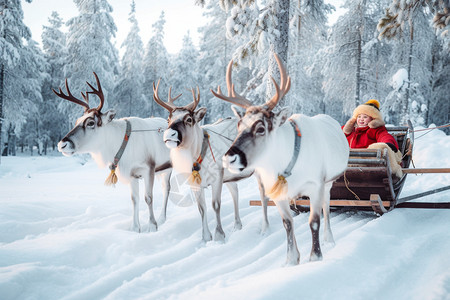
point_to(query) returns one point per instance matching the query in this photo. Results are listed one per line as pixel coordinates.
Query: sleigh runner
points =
(368, 183)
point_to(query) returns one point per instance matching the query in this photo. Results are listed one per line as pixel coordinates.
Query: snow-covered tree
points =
(54, 46)
(215, 53)
(307, 38)
(90, 50)
(128, 93)
(185, 73)
(400, 12)
(19, 68)
(156, 66)
(412, 42)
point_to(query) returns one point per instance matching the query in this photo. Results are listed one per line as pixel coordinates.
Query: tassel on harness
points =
(195, 178)
(281, 185)
(112, 178)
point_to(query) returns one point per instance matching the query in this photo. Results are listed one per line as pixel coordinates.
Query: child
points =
(366, 129)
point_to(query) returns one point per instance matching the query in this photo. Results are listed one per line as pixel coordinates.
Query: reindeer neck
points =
(275, 158)
(184, 157)
(111, 138)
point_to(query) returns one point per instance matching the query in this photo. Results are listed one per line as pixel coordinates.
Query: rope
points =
(159, 129)
(220, 135)
(346, 185)
(441, 126)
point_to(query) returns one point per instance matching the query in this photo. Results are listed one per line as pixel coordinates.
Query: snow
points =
(63, 235)
(399, 79)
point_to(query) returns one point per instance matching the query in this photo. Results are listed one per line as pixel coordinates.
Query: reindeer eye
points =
(260, 130)
(189, 120)
(90, 123)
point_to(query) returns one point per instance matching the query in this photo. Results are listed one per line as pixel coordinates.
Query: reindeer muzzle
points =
(172, 138)
(66, 147)
(234, 160)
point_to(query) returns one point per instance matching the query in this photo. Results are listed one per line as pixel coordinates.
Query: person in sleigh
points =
(366, 129)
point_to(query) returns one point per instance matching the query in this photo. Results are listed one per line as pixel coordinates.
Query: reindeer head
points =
(183, 120)
(256, 125)
(84, 136)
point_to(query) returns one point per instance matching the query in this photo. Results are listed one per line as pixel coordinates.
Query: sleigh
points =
(368, 183)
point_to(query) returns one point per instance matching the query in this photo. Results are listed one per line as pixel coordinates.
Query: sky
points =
(181, 16)
(64, 235)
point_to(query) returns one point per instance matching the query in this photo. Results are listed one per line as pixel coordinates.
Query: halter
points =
(112, 178)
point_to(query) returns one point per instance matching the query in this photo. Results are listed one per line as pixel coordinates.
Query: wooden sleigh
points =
(368, 183)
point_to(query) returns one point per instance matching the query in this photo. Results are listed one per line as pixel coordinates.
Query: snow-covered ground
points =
(64, 235)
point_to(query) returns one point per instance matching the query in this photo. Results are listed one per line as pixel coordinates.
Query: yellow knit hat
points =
(372, 109)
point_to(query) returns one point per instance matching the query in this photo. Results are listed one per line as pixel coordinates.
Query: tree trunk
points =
(361, 9)
(2, 81)
(405, 113)
(280, 47)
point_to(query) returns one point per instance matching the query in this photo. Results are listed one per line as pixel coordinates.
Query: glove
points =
(392, 146)
(348, 127)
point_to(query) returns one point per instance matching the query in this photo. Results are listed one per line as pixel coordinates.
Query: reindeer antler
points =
(285, 85)
(167, 105)
(191, 106)
(233, 97)
(71, 98)
(97, 92)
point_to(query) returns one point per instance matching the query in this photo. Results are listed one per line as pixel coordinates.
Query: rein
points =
(281, 185)
(159, 130)
(112, 178)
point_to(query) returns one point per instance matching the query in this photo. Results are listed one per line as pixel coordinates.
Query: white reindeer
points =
(300, 157)
(132, 147)
(198, 150)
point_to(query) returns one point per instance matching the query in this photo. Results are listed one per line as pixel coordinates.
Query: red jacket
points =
(362, 137)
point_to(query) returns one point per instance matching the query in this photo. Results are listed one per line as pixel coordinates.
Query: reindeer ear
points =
(282, 116)
(110, 115)
(199, 114)
(238, 112)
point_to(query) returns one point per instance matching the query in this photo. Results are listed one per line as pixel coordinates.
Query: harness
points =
(196, 167)
(280, 185)
(112, 178)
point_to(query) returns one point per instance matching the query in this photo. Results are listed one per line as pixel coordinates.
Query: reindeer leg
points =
(165, 182)
(152, 226)
(264, 201)
(232, 187)
(328, 235)
(216, 189)
(134, 185)
(314, 223)
(293, 255)
(200, 197)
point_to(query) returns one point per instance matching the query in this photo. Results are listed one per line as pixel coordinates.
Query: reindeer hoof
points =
(152, 227)
(237, 226)
(219, 236)
(315, 256)
(161, 220)
(207, 237)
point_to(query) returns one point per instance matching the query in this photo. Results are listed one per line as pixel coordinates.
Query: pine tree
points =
(90, 50)
(156, 66)
(128, 93)
(54, 46)
(185, 75)
(215, 53)
(17, 92)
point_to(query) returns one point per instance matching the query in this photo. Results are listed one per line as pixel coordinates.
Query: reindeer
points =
(131, 146)
(197, 150)
(295, 155)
